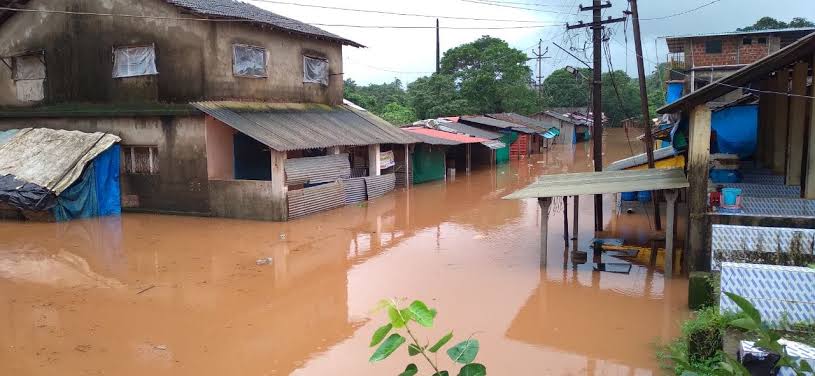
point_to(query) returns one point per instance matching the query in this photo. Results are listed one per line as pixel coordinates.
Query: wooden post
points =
(797, 118)
(469, 158)
(575, 216)
(279, 188)
(698, 160)
(809, 184)
(764, 125)
(544, 204)
(779, 124)
(670, 232)
(566, 221)
(408, 181)
(373, 160)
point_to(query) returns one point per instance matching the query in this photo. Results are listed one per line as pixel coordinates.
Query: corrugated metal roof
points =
(315, 199)
(520, 119)
(470, 130)
(494, 144)
(378, 186)
(641, 159)
(295, 126)
(590, 183)
(244, 11)
(564, 117)
(802, 48)
(487, 121)
(442, 137)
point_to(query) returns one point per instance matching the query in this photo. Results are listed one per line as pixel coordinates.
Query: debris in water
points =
(147, 289)
(629, 211)
(82, 348)
(160, 347)
(264, 261)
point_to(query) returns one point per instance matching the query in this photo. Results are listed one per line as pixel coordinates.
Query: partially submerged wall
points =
(181, 182)
(250, 199)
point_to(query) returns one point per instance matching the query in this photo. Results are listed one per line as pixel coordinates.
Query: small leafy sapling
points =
(388, 340)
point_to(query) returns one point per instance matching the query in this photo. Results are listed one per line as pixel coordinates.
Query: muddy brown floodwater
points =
(169, 295)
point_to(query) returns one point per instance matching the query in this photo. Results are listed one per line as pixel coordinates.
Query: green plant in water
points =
(389, 340)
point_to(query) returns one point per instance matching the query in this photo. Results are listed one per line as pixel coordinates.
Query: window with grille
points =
(140, 160)
(249, 61)
(713, 46)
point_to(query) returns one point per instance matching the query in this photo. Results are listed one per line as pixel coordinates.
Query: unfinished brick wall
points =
(733, 51)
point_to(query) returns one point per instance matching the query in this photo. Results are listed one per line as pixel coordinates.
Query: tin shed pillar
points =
(469, 158)
(796, 121)
(408, 181)
(698, 160)
(670, 232)
(279, 188)
(373, 160)
(779, 118)
(544, 204)
(809, 179)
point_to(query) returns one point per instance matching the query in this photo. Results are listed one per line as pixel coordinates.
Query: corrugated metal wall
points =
(355, 191)
(312, 200)
(316, 170)
(378, 186)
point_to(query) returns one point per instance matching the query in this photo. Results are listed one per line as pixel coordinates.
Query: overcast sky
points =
(410, 53)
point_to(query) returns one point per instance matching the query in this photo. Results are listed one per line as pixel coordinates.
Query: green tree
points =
(398, 114)
(562, 89)
(621, 97)
(436, 95)
(491, 76)
(388, 100)
(655, 86)
(769, 23)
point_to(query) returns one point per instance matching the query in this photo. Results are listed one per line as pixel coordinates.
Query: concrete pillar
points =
(373, 160)
(809, 180)
(408, 181)
(575, 216)
(670, 232)
(279, 188)
(779, 115)
(698, 161)
(544, 204)
(796, 121)
(334, 150)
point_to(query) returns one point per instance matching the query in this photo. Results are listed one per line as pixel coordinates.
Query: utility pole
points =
(539, 56)
(646, 116)
(438, 48)
(597, 85)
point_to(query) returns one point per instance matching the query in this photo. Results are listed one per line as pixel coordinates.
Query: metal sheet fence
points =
(355, 191)
(312, 200)
(316, 170)
(378, 186)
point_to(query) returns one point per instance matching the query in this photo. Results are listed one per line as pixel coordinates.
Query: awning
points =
(494, 144)
(640, 159)
(551, 133)
(591, 183)
(298, 126)
(437, 137)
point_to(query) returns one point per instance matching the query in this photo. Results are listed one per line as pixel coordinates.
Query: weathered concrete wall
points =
(220, 150)
(193, 58)
(251, 199)
(180, 186)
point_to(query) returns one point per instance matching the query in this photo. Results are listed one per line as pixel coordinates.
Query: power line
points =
(494, 4)
(526, 4)
(139, 16)
(391, 13)
(681, 13)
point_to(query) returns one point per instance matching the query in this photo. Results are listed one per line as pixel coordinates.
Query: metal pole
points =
(438, 48)
(544, 205)
(566, 221)
(597, 127)
(646, 116)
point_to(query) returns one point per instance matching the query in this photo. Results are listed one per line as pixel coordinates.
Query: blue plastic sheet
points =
(96, 192)
(674, 92)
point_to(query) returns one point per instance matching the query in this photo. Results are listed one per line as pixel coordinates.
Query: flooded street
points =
(170, 295)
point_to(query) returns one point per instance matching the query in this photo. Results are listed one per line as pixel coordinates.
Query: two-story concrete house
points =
(212, 99)
(703, 58)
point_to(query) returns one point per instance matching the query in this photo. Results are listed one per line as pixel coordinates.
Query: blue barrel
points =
(644, 196)
(629, 196)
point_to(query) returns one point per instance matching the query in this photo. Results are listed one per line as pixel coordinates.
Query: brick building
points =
(698, 60)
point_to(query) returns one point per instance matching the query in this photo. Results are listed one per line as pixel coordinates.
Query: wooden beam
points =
(779, 116)
(373, 160)
(763, 132)
(796, 119)
(566, 221)
(575, 217)
(698, 161)
(809, 185)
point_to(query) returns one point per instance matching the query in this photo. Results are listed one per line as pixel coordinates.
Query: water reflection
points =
(190, 299)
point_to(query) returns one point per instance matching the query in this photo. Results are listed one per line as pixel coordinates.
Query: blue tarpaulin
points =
(674, 92)
(96, 192)
(736, 130)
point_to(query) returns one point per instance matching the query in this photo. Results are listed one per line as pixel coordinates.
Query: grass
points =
(702, 333)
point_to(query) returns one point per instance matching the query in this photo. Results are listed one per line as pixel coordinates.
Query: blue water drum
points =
(629, 196)
(644, 196)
